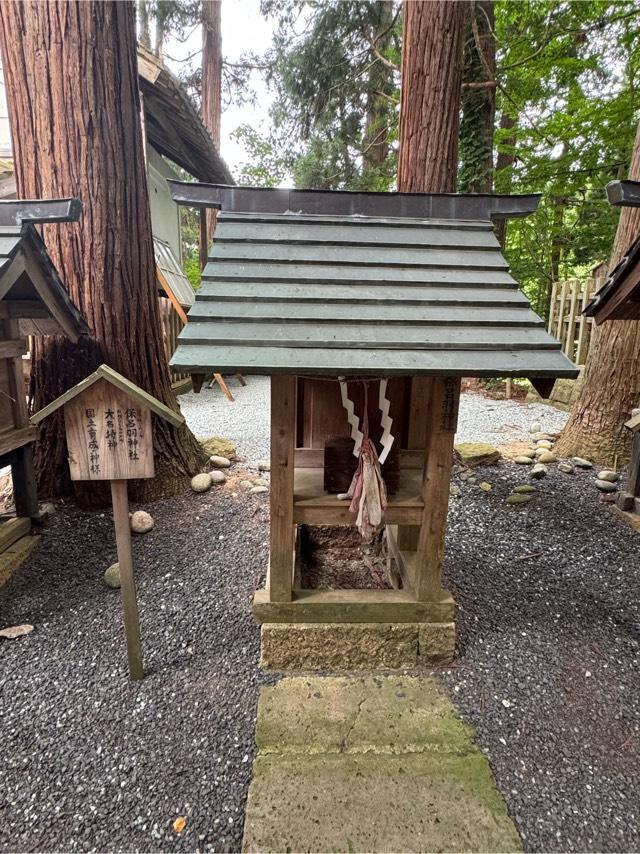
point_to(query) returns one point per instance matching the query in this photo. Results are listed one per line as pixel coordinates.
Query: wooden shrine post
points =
(283, 448)
(109, 437)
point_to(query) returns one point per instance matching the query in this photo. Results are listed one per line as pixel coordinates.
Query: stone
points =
(454, 490)
(338, 646)
(518, 498)
(567, 468)
(523, 460)
(348, 764)
(216, 446)
(473, 454)
(544, 443)
(582, 463)
(528, 452)
(260, 481)
(524, 489)
(264, 465)
(536, 427)
(485, 486)
(436, 643)
(625, 501)
(112, 576)
(219, 462)
(217, 476)
(246, 484)
(258, 490)
(611, 476)
(547, 457)
(13, 632)
(201, 482)
(538, 471)
(48, 508)
(606, 486)
(542, 436)
(608, 498)
(141, 522)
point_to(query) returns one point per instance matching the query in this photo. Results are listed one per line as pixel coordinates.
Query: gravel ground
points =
(548, 629)
(92, 761)
(246, 420)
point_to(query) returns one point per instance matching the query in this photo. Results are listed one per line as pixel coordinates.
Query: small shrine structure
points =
(362, 307)
(33, 301)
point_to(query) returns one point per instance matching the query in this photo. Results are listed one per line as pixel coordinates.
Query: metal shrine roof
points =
(362, 295)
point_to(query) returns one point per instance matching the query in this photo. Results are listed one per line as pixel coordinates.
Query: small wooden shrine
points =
(366, 309)
(33, 301)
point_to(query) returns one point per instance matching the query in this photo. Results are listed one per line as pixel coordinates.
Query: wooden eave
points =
(174, 127)
(24, 258)
(104, 372)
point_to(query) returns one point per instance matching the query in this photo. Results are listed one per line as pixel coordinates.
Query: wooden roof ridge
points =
(104, 372)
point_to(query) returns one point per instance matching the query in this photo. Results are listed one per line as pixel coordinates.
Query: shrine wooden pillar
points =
(283, 448)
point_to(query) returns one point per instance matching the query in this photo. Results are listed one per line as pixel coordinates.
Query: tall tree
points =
(212, 67)
(475, 174)
(611, 387)
(430, 96)
(84, 54)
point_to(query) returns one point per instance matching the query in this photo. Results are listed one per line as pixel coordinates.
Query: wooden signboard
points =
(109, 437)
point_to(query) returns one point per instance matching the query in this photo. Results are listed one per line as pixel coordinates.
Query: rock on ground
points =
(141, 522)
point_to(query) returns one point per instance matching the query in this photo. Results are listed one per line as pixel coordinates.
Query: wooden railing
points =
(171, 327)
(567, 322)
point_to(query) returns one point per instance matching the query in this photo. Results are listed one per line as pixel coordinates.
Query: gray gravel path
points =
(246, 421)
(91, 761)
(548, 661)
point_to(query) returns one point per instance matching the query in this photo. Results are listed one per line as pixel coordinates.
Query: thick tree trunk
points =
(505, 159)
(478, 100)
(611, 387)
(72, 90)
(430, 96)
(211, 95)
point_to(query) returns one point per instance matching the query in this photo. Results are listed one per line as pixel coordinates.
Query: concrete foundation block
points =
(436, 643)
(338, 646)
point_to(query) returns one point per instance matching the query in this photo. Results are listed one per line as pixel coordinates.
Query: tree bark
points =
(611, 386)
(144, 23)
(72, 90)
(478, 102)
(211, 95)
(430, 96)
(503, 176)
(380, 84)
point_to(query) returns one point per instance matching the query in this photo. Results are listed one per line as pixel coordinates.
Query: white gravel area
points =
(245, 421)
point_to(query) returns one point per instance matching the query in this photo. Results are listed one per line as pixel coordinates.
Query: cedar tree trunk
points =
(379, 89)
(611, 387)
(505, 160)
(212, 80)
(72, 91)
(478, 100)
(430, 96)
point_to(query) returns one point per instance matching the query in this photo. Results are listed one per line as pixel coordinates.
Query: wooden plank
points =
(16, 378)
(282, 535)
(353, 606)
(170, 294)
(109, 435)
(583, 323)
(12, 530)
(328, 233)
(16, 439)
(440, 431)
(571, 320)
(633, 481)
(389, 256)
(325, 274)
(552, 309)
(484, 315)
(13, 558)
(13, 349)
(7, 414)
(224, 387)
(401, 337)
(561, 333)
(23, 308)
(122, 527)
(200, 358)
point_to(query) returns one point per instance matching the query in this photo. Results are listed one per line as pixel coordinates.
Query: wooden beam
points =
(12, 530)
(204, 243)
(13, 349)
(440, 431)
(23, 475)
(283, 432)
(170, 294)
(16, 439)
(633, 481)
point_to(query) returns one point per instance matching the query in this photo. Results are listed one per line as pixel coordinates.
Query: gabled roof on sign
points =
(362, 295)
(104, 372)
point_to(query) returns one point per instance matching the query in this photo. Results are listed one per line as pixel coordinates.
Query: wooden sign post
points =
(109, 437)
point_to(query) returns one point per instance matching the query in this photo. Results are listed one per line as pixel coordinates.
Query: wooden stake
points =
(122, 527)
(283, 445)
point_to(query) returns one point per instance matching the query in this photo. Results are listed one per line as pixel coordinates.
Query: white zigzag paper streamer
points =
(386, 440)
(352, 418)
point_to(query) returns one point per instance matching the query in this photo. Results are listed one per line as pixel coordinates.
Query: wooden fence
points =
(567, 323)
(171, 327)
